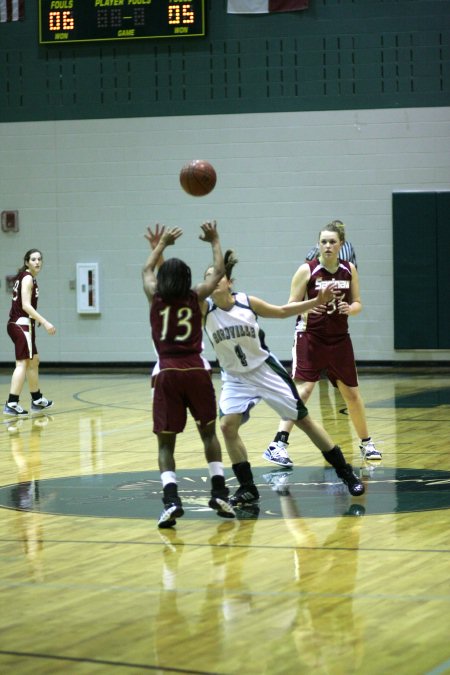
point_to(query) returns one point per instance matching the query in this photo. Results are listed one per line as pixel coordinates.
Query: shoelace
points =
(279, 452)
(370, 449)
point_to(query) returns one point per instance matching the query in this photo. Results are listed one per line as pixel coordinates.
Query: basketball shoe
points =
(277, 454)
(14, 409)
(219, 502)
(353, 483)
(41, 404)
(172, 510)
(245, 494)
(369, 451)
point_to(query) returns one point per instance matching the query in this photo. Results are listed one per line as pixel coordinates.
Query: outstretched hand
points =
(153, 237)
(169, 237)
(162, 235)
(210, 233)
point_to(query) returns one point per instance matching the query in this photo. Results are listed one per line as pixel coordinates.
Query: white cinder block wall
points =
(86, 190)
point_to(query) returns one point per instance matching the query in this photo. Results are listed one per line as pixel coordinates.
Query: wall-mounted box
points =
(88, 288)
(10, 221)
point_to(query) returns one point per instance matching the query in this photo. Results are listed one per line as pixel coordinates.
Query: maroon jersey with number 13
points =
(177, 331)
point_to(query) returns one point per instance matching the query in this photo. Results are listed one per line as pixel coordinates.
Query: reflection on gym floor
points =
(308, 580)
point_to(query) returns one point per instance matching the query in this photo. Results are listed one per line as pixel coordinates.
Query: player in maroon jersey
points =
(21, 329)
(182, 383)
(322, 341)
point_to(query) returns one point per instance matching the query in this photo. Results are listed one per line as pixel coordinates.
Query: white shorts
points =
(270, 383)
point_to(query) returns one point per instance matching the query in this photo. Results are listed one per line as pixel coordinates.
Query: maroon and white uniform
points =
(21, 327)
(182, 383)
(322, 341)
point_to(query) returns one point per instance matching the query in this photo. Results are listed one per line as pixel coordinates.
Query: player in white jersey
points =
(251, 373)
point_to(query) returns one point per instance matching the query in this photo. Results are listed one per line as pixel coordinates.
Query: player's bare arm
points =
(27, 289)
(268, 311)
(166, 237)
(355, 306)
(206, 287)
(299, 283)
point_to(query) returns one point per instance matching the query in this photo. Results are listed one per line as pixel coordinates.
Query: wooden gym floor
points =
(313, 581)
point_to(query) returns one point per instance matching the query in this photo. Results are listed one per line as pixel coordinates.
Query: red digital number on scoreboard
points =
(61, 20)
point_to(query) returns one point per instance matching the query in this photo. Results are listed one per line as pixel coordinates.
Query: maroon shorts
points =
(176, 392)
(312, 355)
(24, 340)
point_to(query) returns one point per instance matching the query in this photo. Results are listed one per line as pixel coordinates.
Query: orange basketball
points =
(198, 177)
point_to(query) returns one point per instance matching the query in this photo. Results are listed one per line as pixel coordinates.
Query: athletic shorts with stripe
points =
(178, 390)
(270, 383)
(24, 340)
(312, 354)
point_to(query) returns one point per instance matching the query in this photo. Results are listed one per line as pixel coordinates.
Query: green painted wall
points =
(421, 238)
(339, 54)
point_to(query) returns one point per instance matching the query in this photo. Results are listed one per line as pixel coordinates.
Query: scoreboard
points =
(69, 21)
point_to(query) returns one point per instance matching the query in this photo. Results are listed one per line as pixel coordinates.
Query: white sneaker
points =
(14, 409)
(369, 451)
(41, 404)
(277, 454)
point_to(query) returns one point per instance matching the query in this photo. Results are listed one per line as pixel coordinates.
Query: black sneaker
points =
(220, 503)
(353, 483)
(171, 511)
(246, 494)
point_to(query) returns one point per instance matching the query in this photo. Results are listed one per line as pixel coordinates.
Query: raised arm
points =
(211, 235)
(158, 240)
(153, 237)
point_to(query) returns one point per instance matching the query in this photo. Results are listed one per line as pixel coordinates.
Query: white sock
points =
(215, 469)
(168, 477)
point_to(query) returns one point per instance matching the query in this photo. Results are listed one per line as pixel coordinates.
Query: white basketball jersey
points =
(236, 336)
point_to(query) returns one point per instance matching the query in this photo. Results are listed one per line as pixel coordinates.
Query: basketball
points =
(198, 177)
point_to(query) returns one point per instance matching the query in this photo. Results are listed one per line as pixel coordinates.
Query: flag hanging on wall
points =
(265, 6)
(12, 10)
